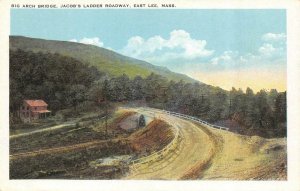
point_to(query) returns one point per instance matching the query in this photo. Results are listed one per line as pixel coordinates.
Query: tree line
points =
(65, 82)
(263, 112)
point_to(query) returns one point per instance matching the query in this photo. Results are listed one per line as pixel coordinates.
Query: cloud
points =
(92, 41)
(180, 52)
(73, 40)
(227, 57)
(273, 37)
(267, 49)
(274, 46)
(179, 45)
(270, 52)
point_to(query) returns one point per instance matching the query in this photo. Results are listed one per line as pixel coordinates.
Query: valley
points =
(168, 148)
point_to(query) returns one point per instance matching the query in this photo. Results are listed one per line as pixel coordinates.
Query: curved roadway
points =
(193, 151)
(208, 153)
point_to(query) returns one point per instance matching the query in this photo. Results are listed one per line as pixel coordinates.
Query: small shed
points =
(32, 110)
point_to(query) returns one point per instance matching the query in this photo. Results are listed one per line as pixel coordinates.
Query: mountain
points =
(105, 60)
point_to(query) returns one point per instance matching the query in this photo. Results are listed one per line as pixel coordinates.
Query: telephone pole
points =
(106, 106)
(230, 107)
(106, 114)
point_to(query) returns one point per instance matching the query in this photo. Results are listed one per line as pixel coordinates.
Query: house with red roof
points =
(33, 109)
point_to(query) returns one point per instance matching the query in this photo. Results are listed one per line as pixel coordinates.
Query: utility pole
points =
(230, 106)
(106, 114)
(106, 106)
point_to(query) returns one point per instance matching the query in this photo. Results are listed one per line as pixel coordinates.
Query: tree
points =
(76, 94)
(138, 88)
(280, 107)
(218, 106)
(251, 110)
(154, 87)
(120, 88)
(264, 118)
(105, 93)
(272, 95)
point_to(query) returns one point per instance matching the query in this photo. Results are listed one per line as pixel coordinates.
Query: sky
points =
(226, 48)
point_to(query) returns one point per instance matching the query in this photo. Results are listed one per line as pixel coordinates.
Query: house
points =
(33, 109)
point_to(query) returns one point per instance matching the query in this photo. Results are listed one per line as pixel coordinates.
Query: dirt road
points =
(55, 127)
(195, 150)
(60, 149)
(207, 153)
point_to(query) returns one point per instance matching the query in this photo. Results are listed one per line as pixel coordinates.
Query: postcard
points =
(150, 95)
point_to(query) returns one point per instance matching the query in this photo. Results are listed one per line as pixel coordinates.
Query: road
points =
(194, 151)
(208, 153)
(55, 127)
(62, 149)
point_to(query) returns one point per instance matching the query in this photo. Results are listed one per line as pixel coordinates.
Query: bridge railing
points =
(192, 118)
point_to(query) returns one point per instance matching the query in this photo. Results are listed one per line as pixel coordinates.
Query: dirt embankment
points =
(39, 156)
(241, 157)
(152, 138)
(73, 163)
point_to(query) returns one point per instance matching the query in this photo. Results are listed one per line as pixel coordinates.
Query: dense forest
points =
(60, 80)
(64, 82)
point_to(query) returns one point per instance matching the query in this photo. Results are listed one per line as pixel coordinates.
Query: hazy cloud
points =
(267, 49)
(92, 41)
(228, 57)
(273, 37)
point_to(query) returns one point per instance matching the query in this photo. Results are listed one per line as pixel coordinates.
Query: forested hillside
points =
(108, 61)
(64, 82)
(61, 81)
